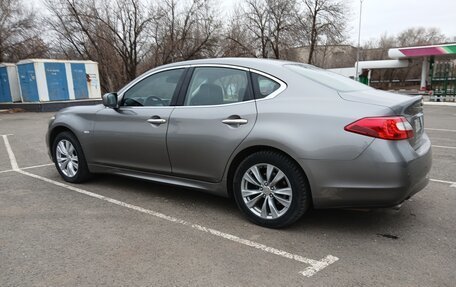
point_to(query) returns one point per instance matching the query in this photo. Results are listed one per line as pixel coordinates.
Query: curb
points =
(448, 104)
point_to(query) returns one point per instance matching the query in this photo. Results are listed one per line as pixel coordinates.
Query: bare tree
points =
(184, 31)
(19, 34)
(281, 23)
(257, 21)
(237, 38)
(128, 21)
(269, 23)
(420, 36)
(321, 19)
(112, 33)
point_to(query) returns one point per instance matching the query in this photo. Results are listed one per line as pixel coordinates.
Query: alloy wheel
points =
(67, 158)
(266, 191)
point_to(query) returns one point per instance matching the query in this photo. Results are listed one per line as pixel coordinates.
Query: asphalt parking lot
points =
(115, 231)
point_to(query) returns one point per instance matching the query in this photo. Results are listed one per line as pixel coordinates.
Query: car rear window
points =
(327, 78)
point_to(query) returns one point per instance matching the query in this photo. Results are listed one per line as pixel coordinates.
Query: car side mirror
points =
(110, 100)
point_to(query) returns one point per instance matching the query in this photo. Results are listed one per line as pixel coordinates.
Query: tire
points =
(72, 173)
(284, 206)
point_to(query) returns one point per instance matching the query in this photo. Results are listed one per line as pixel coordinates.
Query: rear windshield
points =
(327, 78)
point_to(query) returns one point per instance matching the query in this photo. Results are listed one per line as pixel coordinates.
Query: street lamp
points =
(359, 39)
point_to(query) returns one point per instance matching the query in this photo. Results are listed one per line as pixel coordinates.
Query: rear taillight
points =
(388, 128)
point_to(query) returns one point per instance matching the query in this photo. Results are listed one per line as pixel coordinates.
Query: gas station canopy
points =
(423, 51)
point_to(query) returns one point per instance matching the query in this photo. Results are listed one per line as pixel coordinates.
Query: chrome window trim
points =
(220, 66)
(283, 85)
(144, 107)
(147, 74)
(211, 106)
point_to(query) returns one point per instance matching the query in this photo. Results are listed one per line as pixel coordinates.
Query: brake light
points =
(388, 128)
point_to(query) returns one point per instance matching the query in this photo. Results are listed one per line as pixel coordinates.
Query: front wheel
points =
(271, 189)
(69, 158)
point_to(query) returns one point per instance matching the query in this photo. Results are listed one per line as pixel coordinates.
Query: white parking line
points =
(11, 155)
(442, 146)
(28, 167)
(36, 166)
(441, 130)
(315, 265)
(451, 183)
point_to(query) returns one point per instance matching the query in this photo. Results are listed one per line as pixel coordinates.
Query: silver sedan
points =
(278, 137)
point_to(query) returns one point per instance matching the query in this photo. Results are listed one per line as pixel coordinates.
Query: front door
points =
(216, 116)
(134, 135)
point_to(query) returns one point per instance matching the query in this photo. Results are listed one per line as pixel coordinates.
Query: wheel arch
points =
(241, 155)
(53, 134)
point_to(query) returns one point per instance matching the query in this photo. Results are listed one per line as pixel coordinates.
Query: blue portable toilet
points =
(43, 80)
(9, 86)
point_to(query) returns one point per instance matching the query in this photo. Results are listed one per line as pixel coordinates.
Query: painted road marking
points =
(441, 130)
(37, 166)
(315, 265)
(442, 146)
(451, 183)
(11, 155)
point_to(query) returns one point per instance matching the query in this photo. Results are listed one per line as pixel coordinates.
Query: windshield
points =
(327, 78)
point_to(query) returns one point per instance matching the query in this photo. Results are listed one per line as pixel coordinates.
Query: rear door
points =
(134, 135)
(216, 114)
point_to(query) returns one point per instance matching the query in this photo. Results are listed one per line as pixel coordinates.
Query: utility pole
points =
(359, 39)
(270, 51)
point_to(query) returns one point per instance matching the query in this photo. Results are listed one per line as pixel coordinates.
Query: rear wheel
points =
(271, 189)
(69, 158)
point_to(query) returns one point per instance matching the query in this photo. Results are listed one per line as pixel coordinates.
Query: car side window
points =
(155, 90)
(217, 86)
(264, 86)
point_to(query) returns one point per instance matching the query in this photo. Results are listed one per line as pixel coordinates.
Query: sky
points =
(393, 16)
(379, 16)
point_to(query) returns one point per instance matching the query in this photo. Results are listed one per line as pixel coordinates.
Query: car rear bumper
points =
(384, 175)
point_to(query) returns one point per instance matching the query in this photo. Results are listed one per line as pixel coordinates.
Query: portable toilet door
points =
(27, 82)
(9, 86)
(57, 82)
(5, 93)
(78, 72)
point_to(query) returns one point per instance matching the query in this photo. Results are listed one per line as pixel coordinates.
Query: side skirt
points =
(212, 188)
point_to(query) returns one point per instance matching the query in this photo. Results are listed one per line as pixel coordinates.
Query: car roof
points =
(251, 63)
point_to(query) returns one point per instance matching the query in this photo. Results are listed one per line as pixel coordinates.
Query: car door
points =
(216, 113)
(134, 135)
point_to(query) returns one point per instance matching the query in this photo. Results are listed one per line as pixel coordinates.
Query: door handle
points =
(235, 121)
(156, 121)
